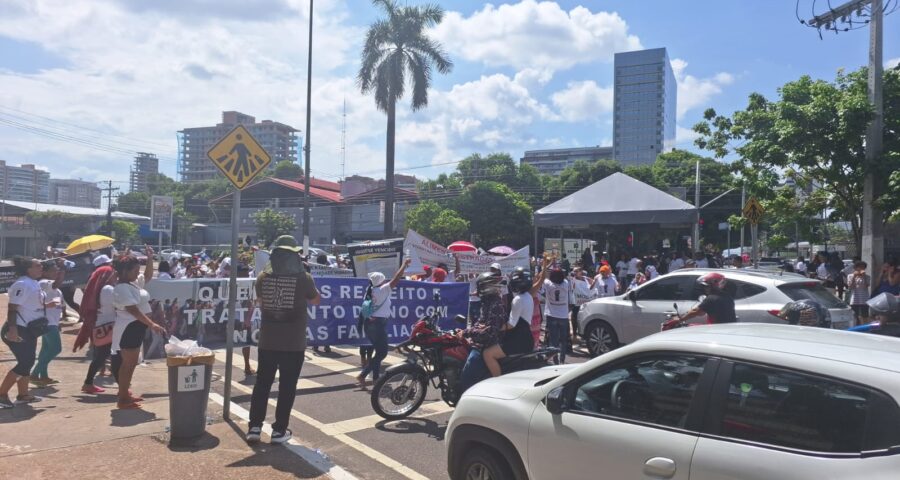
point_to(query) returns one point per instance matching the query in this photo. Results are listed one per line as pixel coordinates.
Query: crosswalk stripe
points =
(301, 383)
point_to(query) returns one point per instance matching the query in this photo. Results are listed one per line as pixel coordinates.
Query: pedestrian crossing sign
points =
(239, 156)
(753, 211)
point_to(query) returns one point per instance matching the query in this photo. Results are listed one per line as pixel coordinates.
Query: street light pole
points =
(306, 174)
(697, 204)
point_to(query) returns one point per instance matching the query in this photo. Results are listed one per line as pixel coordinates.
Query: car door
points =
(652, 301)
(633, 419)
(768, 422)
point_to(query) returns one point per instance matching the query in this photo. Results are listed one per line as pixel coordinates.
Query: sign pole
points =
(754, 251)
(232, 301)
(160, 242)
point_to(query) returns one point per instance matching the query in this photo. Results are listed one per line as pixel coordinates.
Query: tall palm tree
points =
(397, 50)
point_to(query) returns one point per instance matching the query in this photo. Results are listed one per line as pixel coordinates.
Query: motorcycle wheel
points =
(399, 393)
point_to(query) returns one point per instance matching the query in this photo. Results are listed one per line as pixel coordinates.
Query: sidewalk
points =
(74, 435)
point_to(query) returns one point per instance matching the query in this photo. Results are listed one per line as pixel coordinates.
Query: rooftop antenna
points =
(344, 139)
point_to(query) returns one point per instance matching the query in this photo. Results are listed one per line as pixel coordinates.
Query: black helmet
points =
(488, 284)
(520, 280)
(806, 313)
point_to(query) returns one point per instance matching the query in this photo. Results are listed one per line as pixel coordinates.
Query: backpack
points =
(368, 306)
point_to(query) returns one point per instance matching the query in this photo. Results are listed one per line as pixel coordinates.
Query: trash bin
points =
(189, 379)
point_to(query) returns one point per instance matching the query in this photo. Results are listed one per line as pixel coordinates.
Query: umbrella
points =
(88, 243)
(502, 250)
(462, 246)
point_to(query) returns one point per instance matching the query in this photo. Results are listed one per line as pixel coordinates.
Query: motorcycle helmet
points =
(487, 284)
(520, 280)
(806, 313)
(886, 306)
(557, 275)
(714, 280)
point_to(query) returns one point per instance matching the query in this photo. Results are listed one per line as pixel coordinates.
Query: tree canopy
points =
(443, 225)
(270, 224)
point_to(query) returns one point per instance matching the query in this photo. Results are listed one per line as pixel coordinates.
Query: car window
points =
(656, 390)
(679, 287)
(745, 290)
(811, 291)
(795, 410)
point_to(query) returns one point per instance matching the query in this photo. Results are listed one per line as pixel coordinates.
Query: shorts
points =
(133, 336)
(860, 310)
(25, 351)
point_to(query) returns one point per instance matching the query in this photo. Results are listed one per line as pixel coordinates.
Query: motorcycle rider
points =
(806, 313)
(885, 310)
(718, 306)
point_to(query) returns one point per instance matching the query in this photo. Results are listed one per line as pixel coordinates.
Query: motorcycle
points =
(437, 357)
(673, 321)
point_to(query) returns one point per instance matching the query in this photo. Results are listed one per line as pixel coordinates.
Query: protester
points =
(604, 284)
(581, 294)
(99, 315)
(283, 291)
(639, 278)
(587, 261)
(800, 266)
(678, 262)
(888, 280)
(700, 260)
(622, 270)
(558, 299)
(859, 284)
(132, 304)
(376, 325)
(164, 271)
(54, 308)
(634, 267)
(26, 305)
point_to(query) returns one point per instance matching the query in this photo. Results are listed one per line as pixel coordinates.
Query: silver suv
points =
(607, 323)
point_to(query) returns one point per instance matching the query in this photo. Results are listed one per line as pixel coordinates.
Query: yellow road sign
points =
(753, 211)
(239, 156)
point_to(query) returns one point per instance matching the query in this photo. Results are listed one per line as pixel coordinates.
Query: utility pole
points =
(743, 202)
(872, 248)
(306, 177)
(344, 140)
(109, 191)
(697, 204)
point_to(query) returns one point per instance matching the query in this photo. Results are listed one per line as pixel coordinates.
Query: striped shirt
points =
(859, 288)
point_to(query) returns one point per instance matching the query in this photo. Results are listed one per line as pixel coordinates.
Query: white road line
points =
(311, 457)
(301, 382)
(362, 423)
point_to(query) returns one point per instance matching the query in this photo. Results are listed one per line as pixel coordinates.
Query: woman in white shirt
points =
(103, 311)
(376, 325)
(26, 304)
(132, 305)
(51, 343)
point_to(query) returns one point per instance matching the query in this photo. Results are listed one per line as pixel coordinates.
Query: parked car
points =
(607, 323)
(168, 253)
(747, 401)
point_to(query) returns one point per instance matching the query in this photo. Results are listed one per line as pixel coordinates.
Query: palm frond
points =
(420, 67)
(431, 14)
(434, 52)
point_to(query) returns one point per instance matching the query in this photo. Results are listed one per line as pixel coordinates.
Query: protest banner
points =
(378, 256)
(261, 259)
(196, 309)
(77, 273)
(423, 252)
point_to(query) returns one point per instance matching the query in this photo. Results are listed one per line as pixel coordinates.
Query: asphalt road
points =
(334, 416)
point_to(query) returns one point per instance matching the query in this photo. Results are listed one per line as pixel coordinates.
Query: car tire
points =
(600, 338)
(481, 463)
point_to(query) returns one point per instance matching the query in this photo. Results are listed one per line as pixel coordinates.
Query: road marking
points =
(311, 457)
(362, 423)
(392, 357)
(301, 382)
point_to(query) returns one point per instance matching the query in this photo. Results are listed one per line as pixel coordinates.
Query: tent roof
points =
(616, 200)
(83, 211)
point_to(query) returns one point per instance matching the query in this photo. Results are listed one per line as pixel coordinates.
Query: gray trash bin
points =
(189, 379)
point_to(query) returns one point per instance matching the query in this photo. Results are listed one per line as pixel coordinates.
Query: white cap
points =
(495, 266)
(377, 278)
(100, 260)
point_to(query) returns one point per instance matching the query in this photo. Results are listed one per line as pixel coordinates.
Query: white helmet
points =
(884, 304)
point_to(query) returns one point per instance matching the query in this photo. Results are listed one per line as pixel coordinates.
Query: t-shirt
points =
(718, 309)
(54, 313)
(522, 309)
(581, 291)
(128, 295)
(283, 300)
(605, 287)
(702, 263)
(106, 311)
(651, 272)
(822, 272)
(633, 266)
(800, 267)
(859, 289)
(622, 268)
(382, 296)
(27, 296)
(164, 276)
(676, 264)
(557, 299)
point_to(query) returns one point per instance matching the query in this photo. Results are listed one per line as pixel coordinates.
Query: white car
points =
(606, 323)
(713, 402)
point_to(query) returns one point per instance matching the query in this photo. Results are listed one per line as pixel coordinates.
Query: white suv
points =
(747, 401)
(606, 323)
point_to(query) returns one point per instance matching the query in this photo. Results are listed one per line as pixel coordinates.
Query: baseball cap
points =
(495, 266)
(100, 260)
(439, 275)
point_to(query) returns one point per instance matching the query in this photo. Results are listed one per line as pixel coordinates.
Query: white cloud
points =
(696, 92)
(892, 63)
(583, 101)
(532, 34)
(534, 78)
(685, 136)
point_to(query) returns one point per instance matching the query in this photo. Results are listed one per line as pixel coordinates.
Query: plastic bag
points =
(185, 348)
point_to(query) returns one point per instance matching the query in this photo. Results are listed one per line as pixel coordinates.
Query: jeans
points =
(51, 346)
(376, 330)
(558, 331)
(473, 371)
(100, 355)
(288, 365)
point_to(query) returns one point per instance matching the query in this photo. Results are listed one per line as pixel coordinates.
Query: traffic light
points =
(630, 239)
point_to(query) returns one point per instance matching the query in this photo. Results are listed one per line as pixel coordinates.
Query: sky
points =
(85, 83)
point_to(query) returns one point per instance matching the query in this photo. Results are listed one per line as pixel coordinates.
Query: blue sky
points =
(115, 76)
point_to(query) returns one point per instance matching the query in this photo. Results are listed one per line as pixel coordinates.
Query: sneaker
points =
(5, 402)
(92, 389)
(281, 437)
(253, 434)
(27, 399)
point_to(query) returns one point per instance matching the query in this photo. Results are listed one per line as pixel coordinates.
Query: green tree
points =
(578, 176)
(57, 226)
(137, 203)
(124, 231)
(287, 170)
(443, 225)
(270, 224)
(815, 128)
(496, 214)
(398, 51)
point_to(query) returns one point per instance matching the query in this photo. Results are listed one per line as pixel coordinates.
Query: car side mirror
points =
(556, 401)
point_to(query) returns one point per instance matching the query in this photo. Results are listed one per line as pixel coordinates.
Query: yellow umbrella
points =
(88, 243)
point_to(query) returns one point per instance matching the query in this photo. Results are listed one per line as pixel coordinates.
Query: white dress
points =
(127, 295)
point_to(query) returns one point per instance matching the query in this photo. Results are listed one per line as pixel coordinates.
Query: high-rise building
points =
(75, 193)
(24, 183)
(554, 161)
(645, 104)
(279, 140)
(145, 165)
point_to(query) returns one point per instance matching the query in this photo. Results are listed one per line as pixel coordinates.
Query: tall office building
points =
(24, 183)
(145, 165)
(554, 161)
(645, 105)
(75, 193)
(279, 140)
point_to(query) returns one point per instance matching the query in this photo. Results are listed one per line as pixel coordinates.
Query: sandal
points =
(92, 389)
(249, 372)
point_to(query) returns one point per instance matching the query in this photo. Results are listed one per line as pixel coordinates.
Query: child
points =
(858, 283)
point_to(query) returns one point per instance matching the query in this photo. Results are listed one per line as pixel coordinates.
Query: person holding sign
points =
(376, 324)
(283, 291)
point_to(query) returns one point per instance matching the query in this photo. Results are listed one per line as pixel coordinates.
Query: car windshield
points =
(812, 291)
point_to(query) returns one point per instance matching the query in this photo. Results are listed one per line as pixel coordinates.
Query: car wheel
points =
(481, 463)
(601, 338)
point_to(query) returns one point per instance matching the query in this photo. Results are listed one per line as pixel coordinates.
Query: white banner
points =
(261, 259)
(423, 252)
(161, 209)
